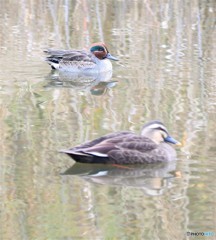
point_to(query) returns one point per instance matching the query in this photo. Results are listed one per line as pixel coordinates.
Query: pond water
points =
(166, 71)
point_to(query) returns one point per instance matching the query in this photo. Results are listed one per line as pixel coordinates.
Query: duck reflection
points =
(97, 84)
(152, 178)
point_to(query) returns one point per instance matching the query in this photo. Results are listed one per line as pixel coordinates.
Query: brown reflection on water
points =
(166, 71)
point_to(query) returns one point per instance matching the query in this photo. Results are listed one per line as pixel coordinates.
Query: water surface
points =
(166, 71)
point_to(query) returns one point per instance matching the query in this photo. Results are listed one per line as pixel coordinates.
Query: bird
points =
(96, 60)
(125, 147)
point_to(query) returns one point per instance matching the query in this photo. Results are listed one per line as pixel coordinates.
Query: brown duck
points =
(153, 145)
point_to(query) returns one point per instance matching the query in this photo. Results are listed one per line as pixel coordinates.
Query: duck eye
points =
(97, 48)
(163, 134)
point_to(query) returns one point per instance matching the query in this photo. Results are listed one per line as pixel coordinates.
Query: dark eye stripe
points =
(162, 129)
(97, 48)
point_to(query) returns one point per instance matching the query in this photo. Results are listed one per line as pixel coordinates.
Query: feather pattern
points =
(79, 60)
(127, 147)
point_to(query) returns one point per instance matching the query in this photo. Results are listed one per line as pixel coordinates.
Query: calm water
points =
(166, 71)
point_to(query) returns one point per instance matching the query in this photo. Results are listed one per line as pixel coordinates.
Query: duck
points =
(125, 147)
(96, 60)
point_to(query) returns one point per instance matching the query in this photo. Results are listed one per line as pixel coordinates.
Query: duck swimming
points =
(96, 60)
(153, 145)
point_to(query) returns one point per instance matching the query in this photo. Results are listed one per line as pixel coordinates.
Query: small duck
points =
(127, 147)
(94, 61)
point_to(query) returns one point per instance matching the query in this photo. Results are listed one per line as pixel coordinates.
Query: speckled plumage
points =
(127, 147)
(93, 61)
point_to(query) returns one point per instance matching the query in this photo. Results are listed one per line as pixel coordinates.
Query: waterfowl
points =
(152, 145)
(97, 59)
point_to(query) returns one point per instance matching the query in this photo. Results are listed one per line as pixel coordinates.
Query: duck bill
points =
(172, 140)
(109, 56)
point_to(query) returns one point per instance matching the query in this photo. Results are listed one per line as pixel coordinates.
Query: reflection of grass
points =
(25, 108)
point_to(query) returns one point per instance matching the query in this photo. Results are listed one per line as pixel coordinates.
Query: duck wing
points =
(137, 143)
(134, 151)
(127, 156)
(101, 139)
(57, 55)
(128, 149)
(77, 59)
(62, 53)
(78, 56)
(95, 151)
(122, 142)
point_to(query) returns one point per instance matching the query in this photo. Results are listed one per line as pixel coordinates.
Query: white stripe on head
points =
(151, 126)
(157, 126)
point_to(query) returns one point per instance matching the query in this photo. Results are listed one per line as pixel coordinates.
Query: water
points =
(166, 72)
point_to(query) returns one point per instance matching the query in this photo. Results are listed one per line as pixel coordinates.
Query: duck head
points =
(101, 52)
(157, 132)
